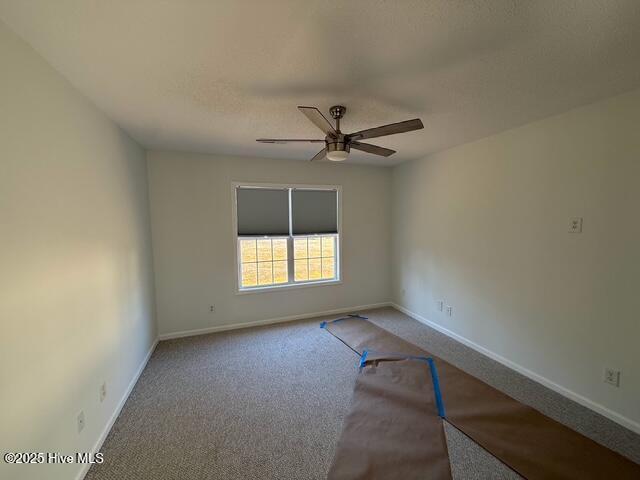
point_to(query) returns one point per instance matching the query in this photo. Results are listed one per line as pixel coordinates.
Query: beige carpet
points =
(268, 403)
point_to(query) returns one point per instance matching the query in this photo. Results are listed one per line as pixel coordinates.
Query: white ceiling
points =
(212, 76)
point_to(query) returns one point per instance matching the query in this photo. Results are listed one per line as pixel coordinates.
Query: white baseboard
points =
(270, 321)
(576, 397)
(107, 428)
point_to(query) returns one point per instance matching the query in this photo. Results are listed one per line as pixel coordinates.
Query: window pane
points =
(280, 272)
(315, 249)
(328, 248)
(301, 270)
(248, 250)
(265, 273)
(315, 269)
(249, 275)
(328, 268)
(264, 250)
(299, 248)
(279, 248)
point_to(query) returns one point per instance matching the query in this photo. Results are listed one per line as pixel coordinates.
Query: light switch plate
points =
(575, 225)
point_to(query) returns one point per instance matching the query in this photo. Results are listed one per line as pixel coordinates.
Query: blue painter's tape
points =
(398, 356)
(436, 387)
(351, 315)
(363, 359)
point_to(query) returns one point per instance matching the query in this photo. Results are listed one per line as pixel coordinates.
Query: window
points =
(286, 235)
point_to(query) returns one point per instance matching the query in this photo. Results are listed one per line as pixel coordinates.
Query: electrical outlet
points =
(449, 310)
(440, 305)
(575, 225)
(103, 391)
(612, 376)
(212, 308)
(81, 421)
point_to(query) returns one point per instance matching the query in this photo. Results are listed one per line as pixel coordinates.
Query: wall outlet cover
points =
(103, 391)
(612, 377)
(80, 421)
(575, 225)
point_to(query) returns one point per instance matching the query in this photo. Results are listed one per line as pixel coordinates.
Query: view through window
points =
(263, 261)
(314, 258)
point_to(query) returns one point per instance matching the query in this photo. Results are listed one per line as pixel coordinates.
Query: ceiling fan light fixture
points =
(337, 148)
(337, 155)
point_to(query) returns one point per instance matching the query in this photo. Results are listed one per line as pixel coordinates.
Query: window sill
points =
(288, 286)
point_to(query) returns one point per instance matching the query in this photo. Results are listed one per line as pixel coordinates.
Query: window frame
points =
(291, 284)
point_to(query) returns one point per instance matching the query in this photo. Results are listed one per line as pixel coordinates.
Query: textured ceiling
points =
(214, 76)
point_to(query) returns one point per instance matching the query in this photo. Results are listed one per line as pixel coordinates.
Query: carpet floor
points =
(268, 403)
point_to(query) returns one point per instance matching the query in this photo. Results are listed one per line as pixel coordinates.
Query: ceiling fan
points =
(338, 144)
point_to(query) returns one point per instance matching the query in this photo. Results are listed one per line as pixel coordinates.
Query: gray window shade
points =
(262, 211)
(314, 211)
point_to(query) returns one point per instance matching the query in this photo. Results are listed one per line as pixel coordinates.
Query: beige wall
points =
(484, 227)
(76, 298)
(194, 245)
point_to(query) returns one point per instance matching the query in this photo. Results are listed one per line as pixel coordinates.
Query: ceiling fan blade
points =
(376, 150)
(287, 140)
(319, 120)
(320, 155)
(391, 129)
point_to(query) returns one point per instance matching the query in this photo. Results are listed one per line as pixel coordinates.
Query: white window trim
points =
(292, 285)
